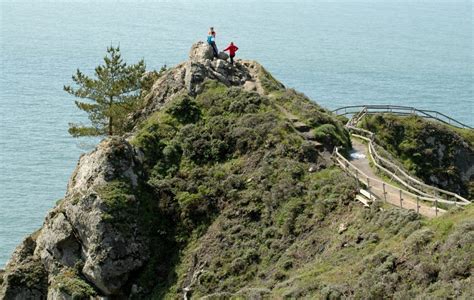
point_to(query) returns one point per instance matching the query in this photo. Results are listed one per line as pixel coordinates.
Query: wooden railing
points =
(399, 175)
(411, 186)
(400, 110)
(371, 184)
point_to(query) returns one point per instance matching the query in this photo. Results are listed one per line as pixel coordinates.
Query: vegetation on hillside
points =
(224, 150)
(233, 211)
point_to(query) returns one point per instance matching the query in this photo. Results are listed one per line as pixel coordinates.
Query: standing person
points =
(211, 40)
(232, 49)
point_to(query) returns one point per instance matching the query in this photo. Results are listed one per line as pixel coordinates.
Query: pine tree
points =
(111, 95)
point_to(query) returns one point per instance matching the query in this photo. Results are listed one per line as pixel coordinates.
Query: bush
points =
(269, 83)
(332, 135)
(434, 152)
(417, 240)
(184, 109)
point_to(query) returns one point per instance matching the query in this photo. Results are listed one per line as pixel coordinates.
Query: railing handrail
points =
(373, 151)
(393, 175)
(430, 199)
(390, 109)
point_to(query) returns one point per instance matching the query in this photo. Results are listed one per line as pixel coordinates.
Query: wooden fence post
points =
(384, 192)
(401, 199)
(357, 180)
(436, 206)
(417, 205)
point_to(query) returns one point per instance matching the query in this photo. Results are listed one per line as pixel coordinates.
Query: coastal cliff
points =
(225, 188)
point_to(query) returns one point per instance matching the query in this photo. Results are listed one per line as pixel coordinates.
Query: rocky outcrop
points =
(25, 276)
(200, 52)
(225, 193)
(80, 232)
(189, 77)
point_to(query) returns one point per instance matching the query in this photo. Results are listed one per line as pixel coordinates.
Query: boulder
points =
(201, 52)
(221, 66)
(223, 55)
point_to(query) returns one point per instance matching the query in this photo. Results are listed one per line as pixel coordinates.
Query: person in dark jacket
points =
(211, 40)
(232, 49)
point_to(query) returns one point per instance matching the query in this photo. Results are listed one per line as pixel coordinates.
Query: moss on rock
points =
(69, 282)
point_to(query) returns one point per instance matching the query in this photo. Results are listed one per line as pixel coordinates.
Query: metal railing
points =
(400, 110)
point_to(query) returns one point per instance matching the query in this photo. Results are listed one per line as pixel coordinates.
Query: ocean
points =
(416, 53)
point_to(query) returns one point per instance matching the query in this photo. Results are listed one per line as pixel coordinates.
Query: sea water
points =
(416, 53)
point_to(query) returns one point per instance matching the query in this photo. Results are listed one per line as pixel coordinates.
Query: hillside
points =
(224, 188)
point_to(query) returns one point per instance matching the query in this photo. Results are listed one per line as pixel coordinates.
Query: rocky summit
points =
(224, 188)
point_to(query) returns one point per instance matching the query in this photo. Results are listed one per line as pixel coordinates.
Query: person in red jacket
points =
(232, 49)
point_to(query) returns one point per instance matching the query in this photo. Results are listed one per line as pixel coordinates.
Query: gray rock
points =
(222, 55)
(112, 157)
(342, 228)
(78, 230)
(24, 276)
(220, 66)
(110, 253)
(200, 52)
(250, 85)
(56, 294)
(57, 245)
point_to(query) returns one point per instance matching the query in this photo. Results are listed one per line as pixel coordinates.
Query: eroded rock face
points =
(25, 276)
(79, 232)
(113, 158)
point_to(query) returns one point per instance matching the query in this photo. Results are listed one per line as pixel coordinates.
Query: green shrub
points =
(184, 109)
(436, 153)
(117, 195)
(332, 135)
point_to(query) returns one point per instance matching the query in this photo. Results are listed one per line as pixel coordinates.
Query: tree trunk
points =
(111, 131)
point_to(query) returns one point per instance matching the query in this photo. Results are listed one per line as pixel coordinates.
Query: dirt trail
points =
(360, 159)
